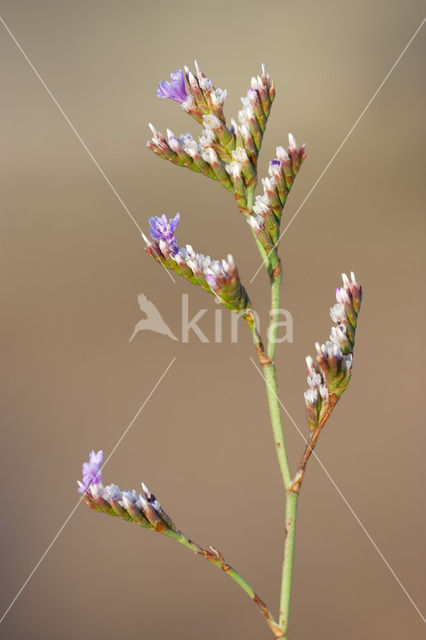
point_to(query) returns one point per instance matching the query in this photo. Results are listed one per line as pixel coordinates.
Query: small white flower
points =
(210, 156)
(311, 396)
(212, 122)
(240, 155)
(292, 142)
(234, 169)
(282, 155)
(206, 85)
(338, 313)
(219, 96)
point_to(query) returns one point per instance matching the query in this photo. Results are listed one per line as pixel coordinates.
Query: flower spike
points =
(224, 153)
(146, 511)
(329, 376)
(218, 278)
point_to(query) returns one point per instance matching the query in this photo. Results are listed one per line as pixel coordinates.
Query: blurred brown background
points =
(73, 264)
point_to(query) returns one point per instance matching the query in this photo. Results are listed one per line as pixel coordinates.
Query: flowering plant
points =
(229, 154)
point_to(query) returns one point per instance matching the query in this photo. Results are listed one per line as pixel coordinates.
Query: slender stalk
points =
(271, 380)
(215, 557)
(267, 362)
(287, 572)
(291, 498)
(298, 478)
(275, 416)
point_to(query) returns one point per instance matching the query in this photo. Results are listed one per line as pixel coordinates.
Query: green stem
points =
(214, 557)
(287, 572)
(268, 366)
(277, 429)
(271, 379)
(275, 413)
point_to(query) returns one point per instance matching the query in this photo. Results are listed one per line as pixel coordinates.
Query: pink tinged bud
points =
(95, 495)
(356, 291)
(262, 209)
(225, 282)
(219, 96)
(153, 250)
(222, 133)
(190, 107)
(311, 366)
(206, 85)
(285, 160)
(312, 408)
(259, 227)
(207, 138)
(236, 131)
(148, 498)
(275, 171)
(256, 104)
(246, 117)
(210, 156)
(339, 336)
(129, 502)
(200, 74)
(272, 91)
(235, 171)
(344, 297)
(194, 151)
(183, 159)
(196, 93)
(293, 153)
(249, 145)
(120, 511)
(159, 145)
(240, 156)
(217, 100)
(302, 153)
(183, 268)
(271, 194)
(150, 514)
(259, 85)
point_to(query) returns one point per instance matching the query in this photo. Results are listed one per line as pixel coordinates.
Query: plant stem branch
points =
(267, 362)
(287, 571)
(296, 484)
(215, 557)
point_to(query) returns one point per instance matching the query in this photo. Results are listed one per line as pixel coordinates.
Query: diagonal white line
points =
(78, 136)
(342, 143)
(343, 498)
(79, 502)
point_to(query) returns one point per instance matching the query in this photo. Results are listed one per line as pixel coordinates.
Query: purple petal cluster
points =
(220, 278)
(92, 474)
(162, 229)
(175, 90)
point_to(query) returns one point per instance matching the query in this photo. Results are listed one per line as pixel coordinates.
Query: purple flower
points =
(92, 473)
(174, 90)
(162, 229)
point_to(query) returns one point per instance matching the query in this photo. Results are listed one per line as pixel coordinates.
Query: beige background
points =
(72, 264)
